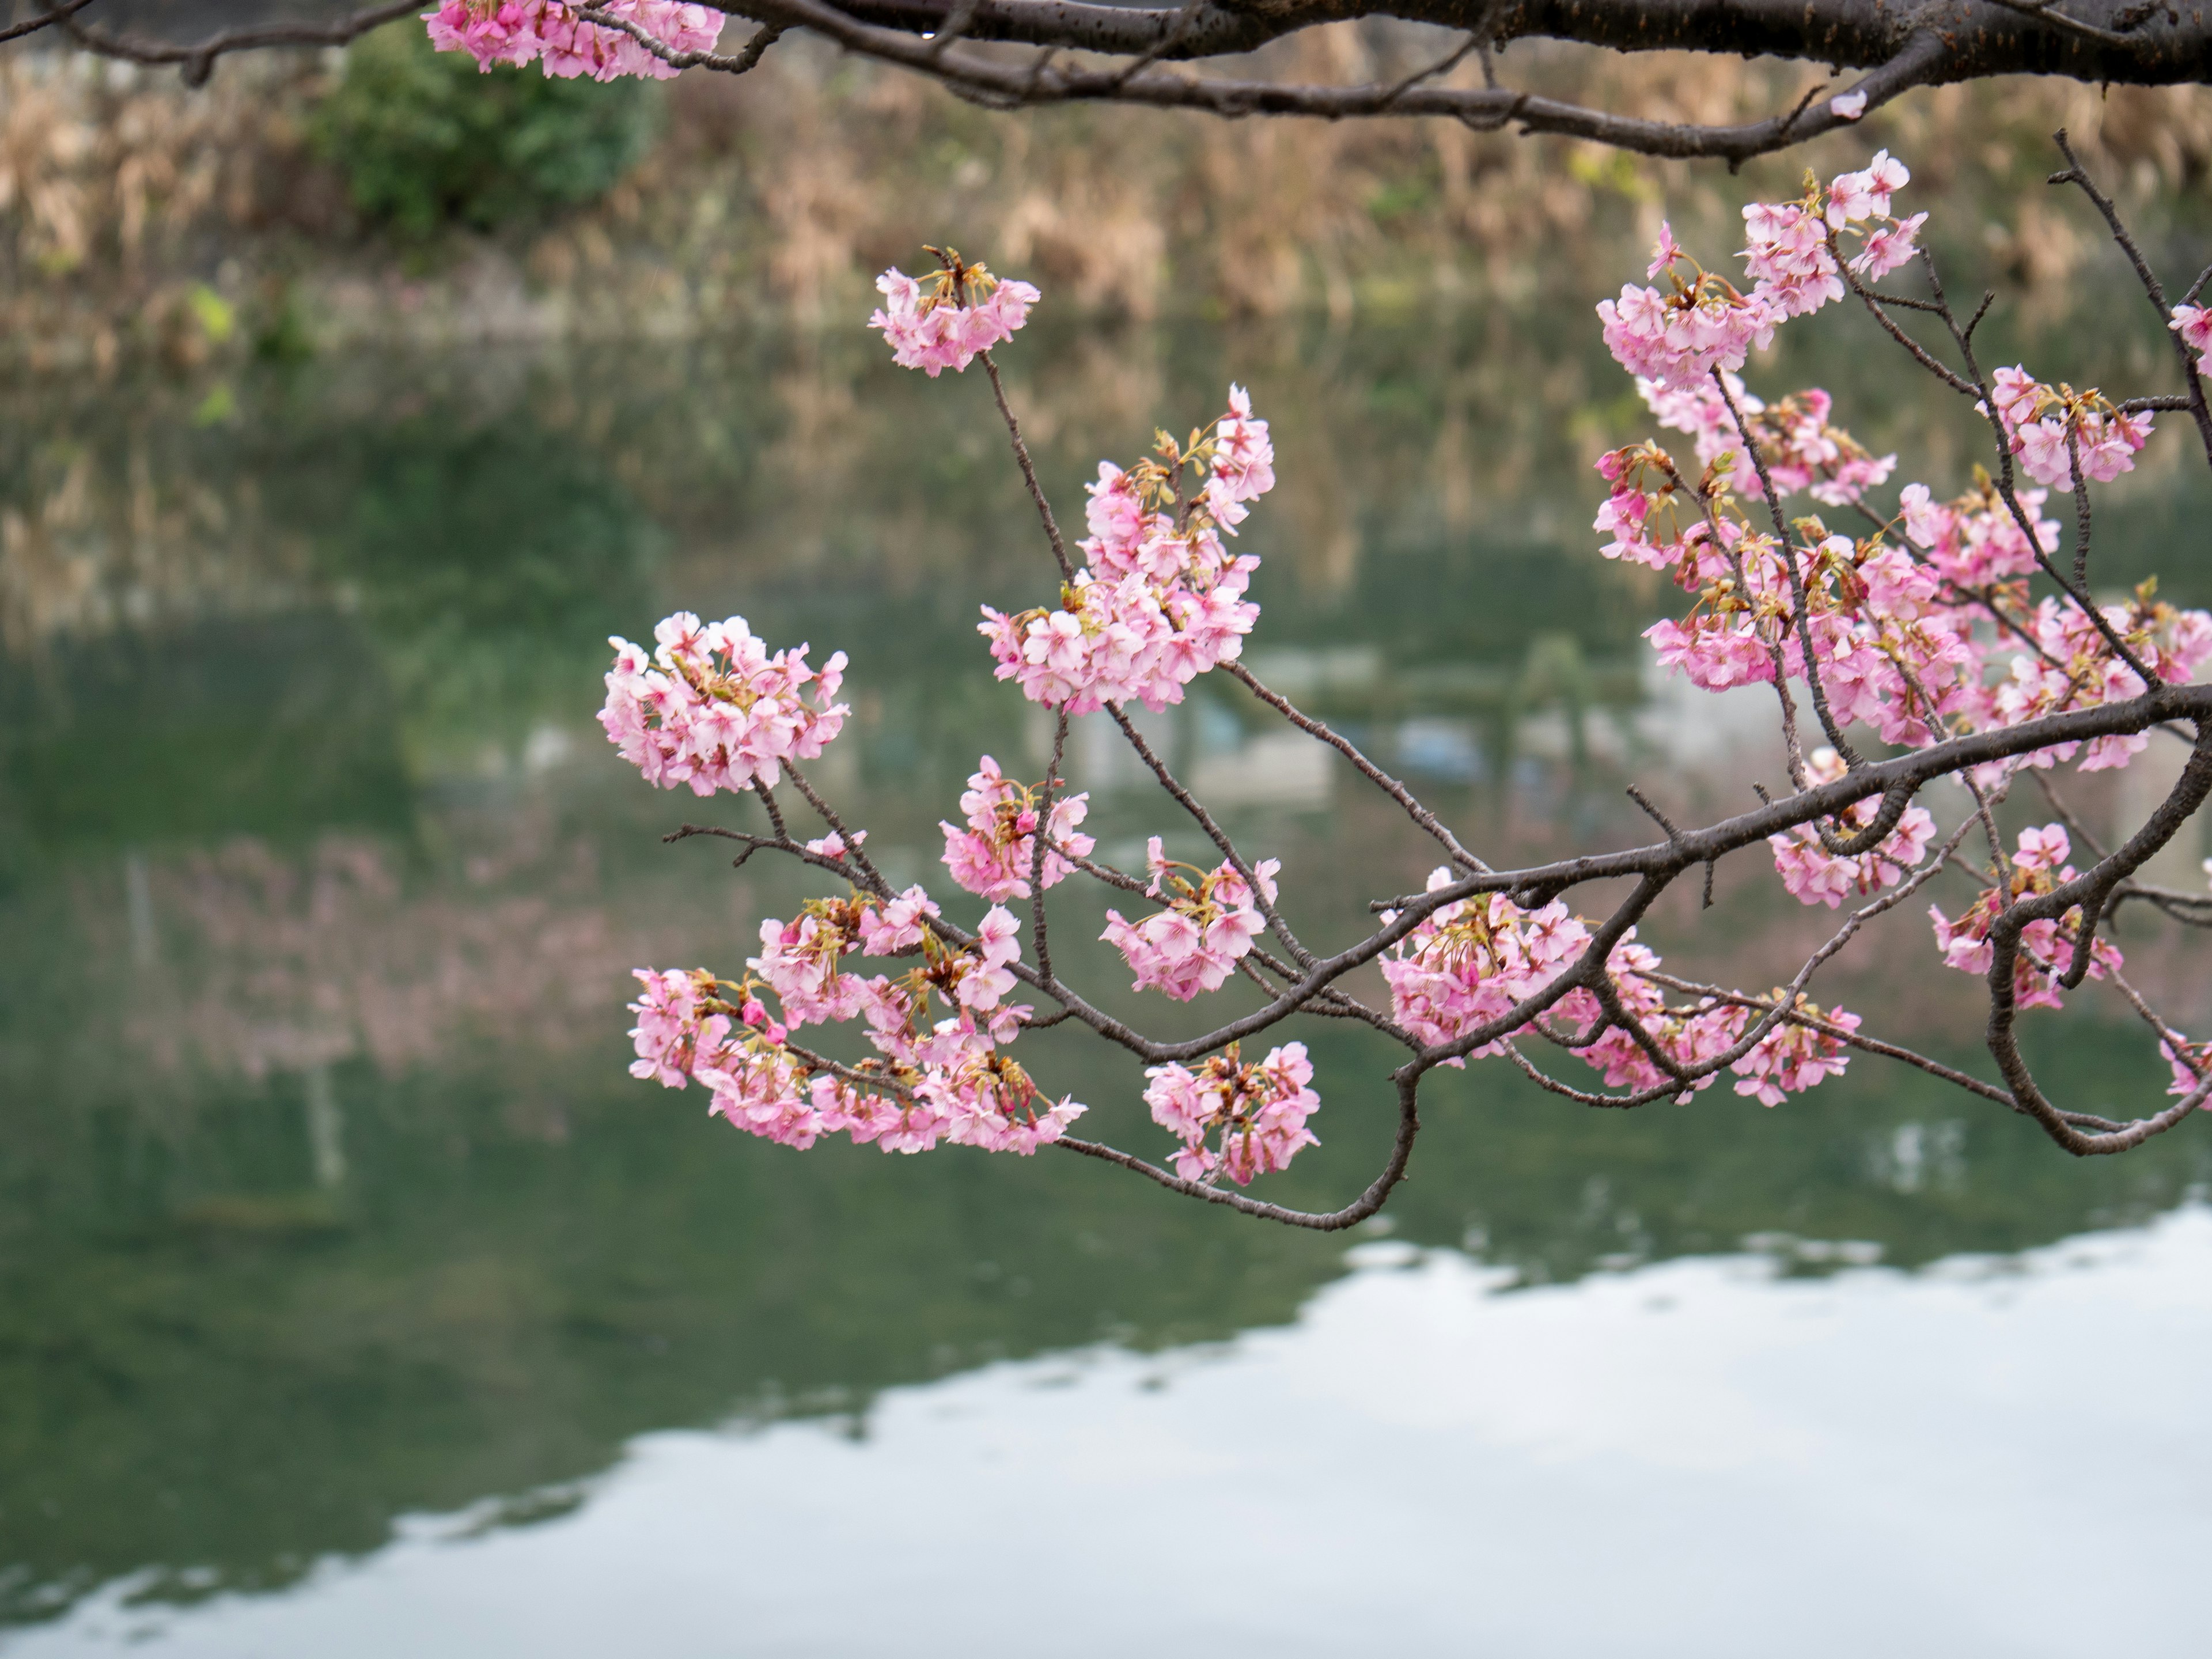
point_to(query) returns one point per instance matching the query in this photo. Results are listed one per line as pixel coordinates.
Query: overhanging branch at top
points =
(1021, 53)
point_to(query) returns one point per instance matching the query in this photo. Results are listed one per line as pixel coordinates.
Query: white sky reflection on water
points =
(1985, 1458)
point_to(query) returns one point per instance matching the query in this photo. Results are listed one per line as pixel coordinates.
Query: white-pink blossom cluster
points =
(1468, 964)
(2046, 947)
(556, 37)
(1703, 322)
(1974, 540)
(992, 857)
(2194, 324)
(1160, 600)
(1208, 928)
(1241, 1121)
(1677, 340)
(1792, 1057)
(952, 324)
(2073, 666)
(1791, 247)
(712, 708)
(1887, 647)
(1801, 450)
(2049, 428)
(950, 1080)
(1812, 875)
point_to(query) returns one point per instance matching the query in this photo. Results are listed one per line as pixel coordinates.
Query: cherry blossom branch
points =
(2087, 890)
(1428, 821)
(1788, 554)
(2075, 174)
(1962, 334)
(1372, 1200)
(1778, 1009)
(1485, 957)
(1130, 54)
(1029, 469)
(197, 60)
(738, 63)
(1851, 1039)
(1204, 819)
(1040, 837)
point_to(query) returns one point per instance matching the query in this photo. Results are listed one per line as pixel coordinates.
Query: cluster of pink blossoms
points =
(1704, 322)
(1974, 541)
(2073, 666)
(950, 1080)
(2049, 427)
(1791, 1058)
(2194, 324)
(2046, 948)
(1890, 653)
(992, 856)
(1470, 963)
(966, 312)
(713, 709)
(1259, 1112)
(1812, 875)
(556, 37)
(1923, 640)
(1209, 925)
(1160, 601)
(1801, 450)
(1903, 643)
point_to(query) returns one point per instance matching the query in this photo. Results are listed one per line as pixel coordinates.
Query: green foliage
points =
(424, 138)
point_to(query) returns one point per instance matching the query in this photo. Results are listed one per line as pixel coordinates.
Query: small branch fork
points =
(1302, 981)
(1011, 54)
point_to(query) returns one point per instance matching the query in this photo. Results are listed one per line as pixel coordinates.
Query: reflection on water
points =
(1693, 1458)
(324, 1201)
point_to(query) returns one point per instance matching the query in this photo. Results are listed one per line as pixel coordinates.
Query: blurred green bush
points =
(425, 139)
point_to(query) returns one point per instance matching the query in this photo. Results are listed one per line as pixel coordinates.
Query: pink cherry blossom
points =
(1886, 248)
(1786, 254)
(670, 1031)
(1210, 925)
(1792, 1058)
(1160, 600)
(713, 709)
(556, 37)
(989, 978)
(1856, 196)
(1258, 1112)
(1244, 454)
(1469, 962)
(1814, 876)
(2194, 324)
(2046, 947)
(1678, 340)
(956, 321)
(2039, 420)
(897, 926)
(1801, 448)
(992, 856)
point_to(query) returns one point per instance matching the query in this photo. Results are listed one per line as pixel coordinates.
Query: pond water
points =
(353, 1299)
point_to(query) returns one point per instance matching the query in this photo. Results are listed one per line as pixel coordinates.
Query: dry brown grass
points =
(122, 194)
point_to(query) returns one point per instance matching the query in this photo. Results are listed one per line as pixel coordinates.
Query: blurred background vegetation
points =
(304, 200)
